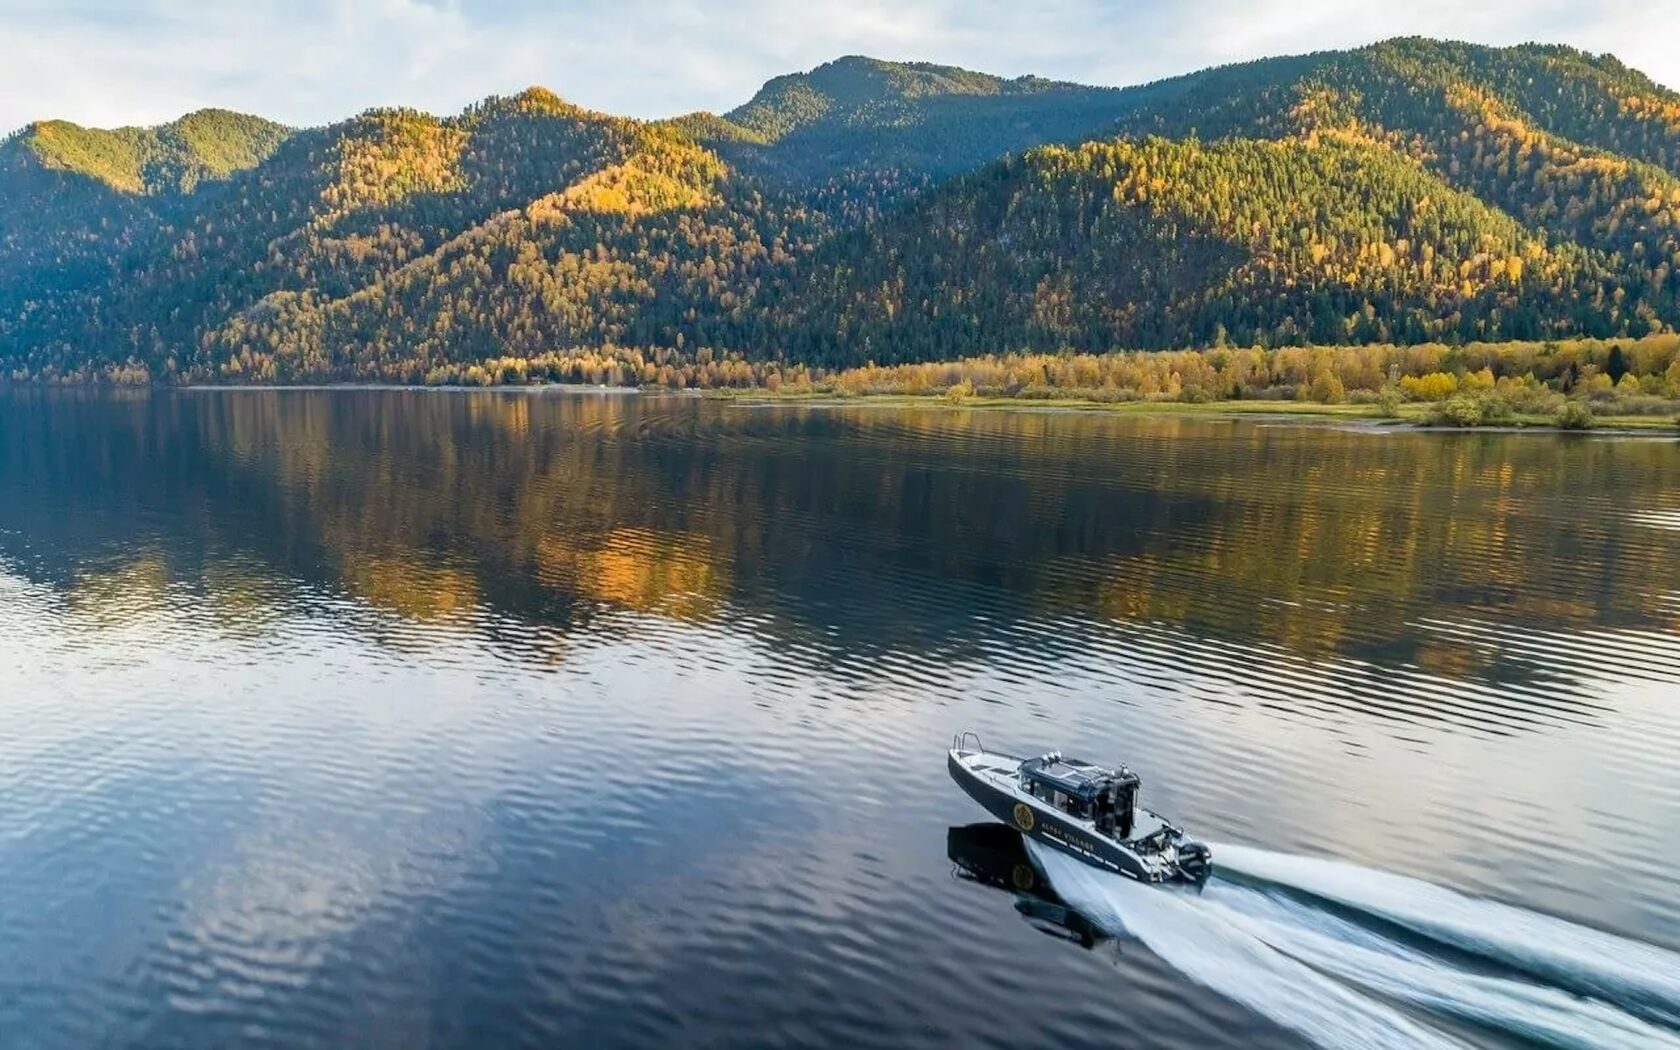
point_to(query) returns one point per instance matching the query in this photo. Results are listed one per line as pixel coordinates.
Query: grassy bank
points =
(1410, 414)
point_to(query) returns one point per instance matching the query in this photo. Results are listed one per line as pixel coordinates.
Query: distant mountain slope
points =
(1410, 190)
(1533, 130)
(911, 116)
(858, 91)
(1077, 248)
(1172, 243)
(1593, 100)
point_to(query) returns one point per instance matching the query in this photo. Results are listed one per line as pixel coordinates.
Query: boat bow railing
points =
(960, 741)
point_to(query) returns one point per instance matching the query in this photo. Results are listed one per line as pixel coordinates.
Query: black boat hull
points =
(1046, 826)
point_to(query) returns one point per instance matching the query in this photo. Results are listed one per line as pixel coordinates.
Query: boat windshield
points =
(1072, 804)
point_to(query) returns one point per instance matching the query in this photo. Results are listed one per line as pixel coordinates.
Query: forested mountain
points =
(1333, 241)
(170, 158)
(74, 200)
(1409, 191)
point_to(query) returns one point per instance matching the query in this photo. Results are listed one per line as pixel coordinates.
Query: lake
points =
(408, 718)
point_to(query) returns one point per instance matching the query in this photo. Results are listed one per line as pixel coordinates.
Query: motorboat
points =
(1088, 811)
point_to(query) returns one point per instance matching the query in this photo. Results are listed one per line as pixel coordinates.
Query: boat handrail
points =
(959, 742)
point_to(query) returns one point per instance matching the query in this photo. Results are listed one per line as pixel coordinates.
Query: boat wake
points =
(1348, 956)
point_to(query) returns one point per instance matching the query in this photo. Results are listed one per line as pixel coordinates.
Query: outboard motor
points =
(1195, 860)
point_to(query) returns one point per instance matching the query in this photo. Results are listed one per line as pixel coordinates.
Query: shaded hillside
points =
(74, 201)
(1577, 147)
(1383, 212)
(1170, 243)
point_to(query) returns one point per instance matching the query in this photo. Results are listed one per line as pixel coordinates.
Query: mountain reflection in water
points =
(414, 717)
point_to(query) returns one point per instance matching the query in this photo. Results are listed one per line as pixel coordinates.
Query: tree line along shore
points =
(1565, 383)
(1569, 383)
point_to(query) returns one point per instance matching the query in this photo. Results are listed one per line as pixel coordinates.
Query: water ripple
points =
(398, 718)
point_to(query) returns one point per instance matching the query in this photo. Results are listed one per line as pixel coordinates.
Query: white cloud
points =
(313, 61)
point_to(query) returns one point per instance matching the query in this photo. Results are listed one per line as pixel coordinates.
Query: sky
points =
(305, 62)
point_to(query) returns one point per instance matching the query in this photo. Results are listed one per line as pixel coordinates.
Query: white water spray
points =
(1635, 976)
(1360, 956)
(1314, 971)
(1208, 951)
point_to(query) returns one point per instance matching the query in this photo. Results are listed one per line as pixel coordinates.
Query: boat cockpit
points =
(1107, 798)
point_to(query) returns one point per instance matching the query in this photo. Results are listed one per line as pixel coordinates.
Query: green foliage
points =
(208, 144)
(1574, 415)
(1472, 410)
(1327, 388)
(1161, 243)
(1490, 383)
(1460, 410)
(1573, 145)
(76, 204)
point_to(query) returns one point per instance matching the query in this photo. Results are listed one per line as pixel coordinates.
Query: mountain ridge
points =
(1409, 190)
(207, 143)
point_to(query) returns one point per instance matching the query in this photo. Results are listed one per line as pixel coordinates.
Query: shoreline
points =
(1412, 415)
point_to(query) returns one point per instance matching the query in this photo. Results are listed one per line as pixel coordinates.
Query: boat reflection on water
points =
(994, 855)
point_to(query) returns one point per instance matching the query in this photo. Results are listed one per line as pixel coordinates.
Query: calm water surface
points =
(407, 718)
